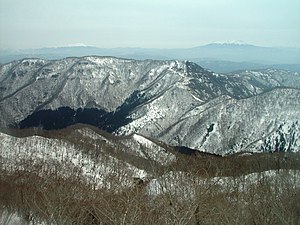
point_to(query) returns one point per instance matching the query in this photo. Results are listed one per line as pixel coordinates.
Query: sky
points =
(147, 23)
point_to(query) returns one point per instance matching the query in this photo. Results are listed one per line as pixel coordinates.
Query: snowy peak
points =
(234, 45)
(231, 43)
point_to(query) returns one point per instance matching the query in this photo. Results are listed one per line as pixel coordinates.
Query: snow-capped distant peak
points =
(69, 46)
(231, 42)
(78, 45)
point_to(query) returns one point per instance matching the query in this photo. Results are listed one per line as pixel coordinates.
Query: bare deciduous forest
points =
(251, 189)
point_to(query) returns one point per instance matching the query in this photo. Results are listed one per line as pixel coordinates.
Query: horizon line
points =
(83, 45)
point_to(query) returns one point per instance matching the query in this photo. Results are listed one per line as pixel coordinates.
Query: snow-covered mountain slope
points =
(266, 122)
(175, 101)
(84, 152)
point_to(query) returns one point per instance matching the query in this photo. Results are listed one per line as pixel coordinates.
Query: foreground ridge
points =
(81, 175)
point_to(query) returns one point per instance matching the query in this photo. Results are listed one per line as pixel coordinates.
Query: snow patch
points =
(198, 99)
(144, 141)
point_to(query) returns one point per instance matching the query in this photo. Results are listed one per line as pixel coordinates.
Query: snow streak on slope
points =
(149, 150)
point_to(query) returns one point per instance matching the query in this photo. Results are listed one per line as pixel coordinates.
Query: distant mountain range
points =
(219, 57)
(174, 101)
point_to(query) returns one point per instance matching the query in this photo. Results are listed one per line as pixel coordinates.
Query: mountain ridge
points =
(149, 97)
(217, 51)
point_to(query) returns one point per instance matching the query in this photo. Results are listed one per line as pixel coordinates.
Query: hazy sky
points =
(147, 23)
